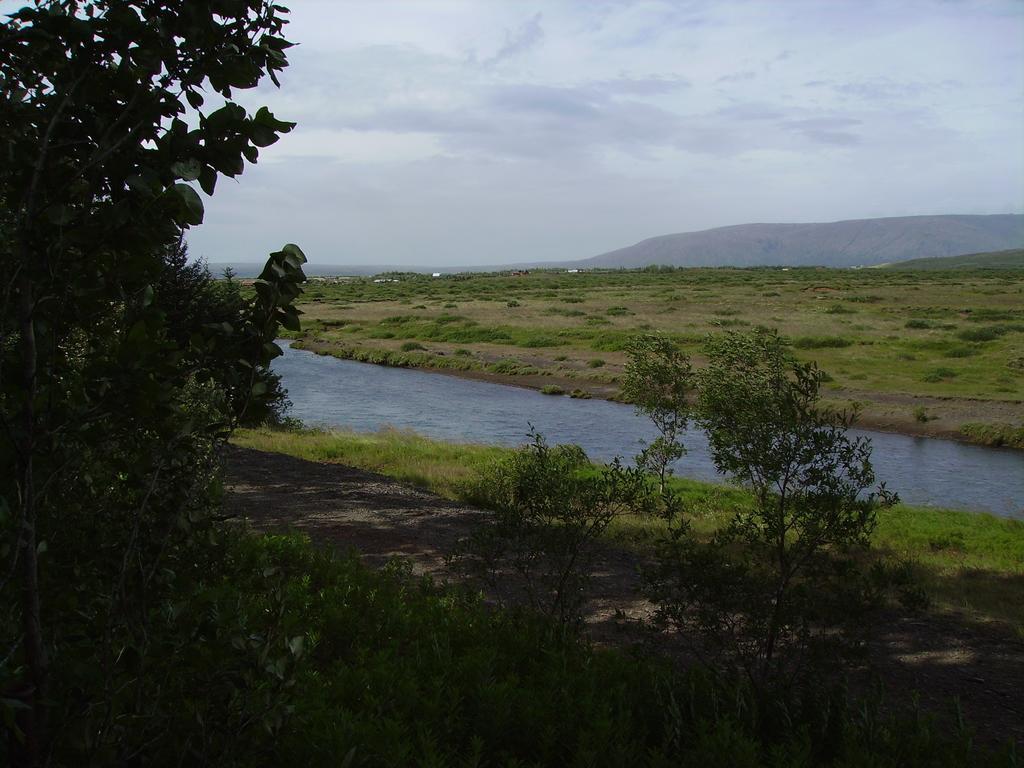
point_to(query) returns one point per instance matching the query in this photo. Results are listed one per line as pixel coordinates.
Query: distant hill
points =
(858, 242)
(1012, 259)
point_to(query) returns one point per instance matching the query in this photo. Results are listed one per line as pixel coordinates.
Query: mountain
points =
(1012, 259)
(858, 242)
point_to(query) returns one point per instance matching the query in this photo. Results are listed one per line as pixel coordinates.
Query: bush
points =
(387, 669)
(548, 506)
(595, 363)
(410, 346)
(658, 380)
(775, 591)
(821, 342)
(939, 374)
(552, 389)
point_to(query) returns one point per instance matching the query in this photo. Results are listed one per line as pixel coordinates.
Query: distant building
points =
(435, 274)
(572, 271)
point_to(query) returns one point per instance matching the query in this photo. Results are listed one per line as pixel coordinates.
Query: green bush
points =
(301, 655)
(821, 342)
(939, 374)
(410, 346)
(552, 389)
(549, 506)
(595, 363)
(776, 591)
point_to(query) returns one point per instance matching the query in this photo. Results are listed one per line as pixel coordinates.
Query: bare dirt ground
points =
(935, 658)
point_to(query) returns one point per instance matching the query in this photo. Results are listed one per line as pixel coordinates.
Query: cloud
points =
(883, 89)
(826, 130)
(737, 77)
(528, 36)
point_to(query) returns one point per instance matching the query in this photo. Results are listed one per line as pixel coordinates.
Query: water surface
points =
(329, 392)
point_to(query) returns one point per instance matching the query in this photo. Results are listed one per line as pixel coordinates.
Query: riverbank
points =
(971, 564)
(990, 423)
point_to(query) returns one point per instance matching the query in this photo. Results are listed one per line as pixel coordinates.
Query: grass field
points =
(967, 562)
(930, 352)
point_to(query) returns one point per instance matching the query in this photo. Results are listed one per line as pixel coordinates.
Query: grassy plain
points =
(926, 352)
(969, 563)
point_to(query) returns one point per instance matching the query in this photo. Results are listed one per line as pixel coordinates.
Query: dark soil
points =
(937, 658)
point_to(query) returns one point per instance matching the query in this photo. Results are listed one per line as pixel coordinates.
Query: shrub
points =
(917, 323)
(410, 346)
(552, 389)
(580, 394)
(986, 333)
(821, 342)
(658, 381)
(771, 590)
(996, 435)
(549, 506)
(939, 374)
(595, 363)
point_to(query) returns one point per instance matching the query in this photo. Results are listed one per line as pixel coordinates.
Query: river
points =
(329, 392)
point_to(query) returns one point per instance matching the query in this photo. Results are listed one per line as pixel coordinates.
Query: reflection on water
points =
(330, 392)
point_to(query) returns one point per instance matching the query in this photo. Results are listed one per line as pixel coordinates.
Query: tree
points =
(658, 381)
(548, 507)
(103, 434)
(779, 573)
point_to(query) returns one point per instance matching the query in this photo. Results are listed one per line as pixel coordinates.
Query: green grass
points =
(382, 669)
(439, 466)
(970, 562)
(996, 435)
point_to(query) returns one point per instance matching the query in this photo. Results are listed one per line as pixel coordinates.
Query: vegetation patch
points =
(821, 342)
(996, 435)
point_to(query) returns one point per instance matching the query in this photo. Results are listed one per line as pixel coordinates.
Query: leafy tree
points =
(777, 581)
(191, 300)
(658, 381)
(549, 506)
(109, 427)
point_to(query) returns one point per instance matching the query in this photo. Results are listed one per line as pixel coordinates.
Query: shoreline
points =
(887, 422)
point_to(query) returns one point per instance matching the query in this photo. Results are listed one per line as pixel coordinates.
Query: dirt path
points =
(940, 657)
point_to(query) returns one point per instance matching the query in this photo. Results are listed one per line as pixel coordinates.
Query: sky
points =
(473, 132)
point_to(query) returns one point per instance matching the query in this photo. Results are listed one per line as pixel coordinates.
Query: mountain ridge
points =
(845, 243)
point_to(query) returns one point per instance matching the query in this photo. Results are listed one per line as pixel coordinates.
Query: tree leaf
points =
(188, 170)
(193, 204)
